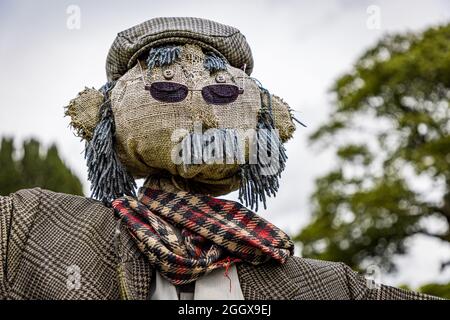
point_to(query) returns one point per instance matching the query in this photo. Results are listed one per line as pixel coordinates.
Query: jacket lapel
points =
(133, 271)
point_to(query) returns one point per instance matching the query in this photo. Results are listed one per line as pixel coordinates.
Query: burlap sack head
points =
(145, 126)
(131, 133)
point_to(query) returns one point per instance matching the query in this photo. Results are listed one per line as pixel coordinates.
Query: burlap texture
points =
(84, 112)
(283, 118)
(144, 126)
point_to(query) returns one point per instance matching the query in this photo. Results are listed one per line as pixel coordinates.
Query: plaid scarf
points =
(214, 233)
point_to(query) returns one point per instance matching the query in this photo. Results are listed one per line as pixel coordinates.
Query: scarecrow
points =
(181, 111)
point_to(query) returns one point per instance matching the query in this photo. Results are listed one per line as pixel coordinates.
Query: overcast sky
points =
(299, 48)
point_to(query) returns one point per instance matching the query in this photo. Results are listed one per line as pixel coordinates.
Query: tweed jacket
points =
(59, 246)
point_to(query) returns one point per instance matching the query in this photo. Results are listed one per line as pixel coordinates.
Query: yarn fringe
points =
(166, 55)
(163, 56)
(214, 63)
(109, 179)
(258, 181)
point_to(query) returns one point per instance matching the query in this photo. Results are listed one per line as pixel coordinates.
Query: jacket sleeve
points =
(364, 289)
(6, 208)
(17, 213)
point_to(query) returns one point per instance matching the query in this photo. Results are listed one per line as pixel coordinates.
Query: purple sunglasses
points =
(176, 92)
(218, 94)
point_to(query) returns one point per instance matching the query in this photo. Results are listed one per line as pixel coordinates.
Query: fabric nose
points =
(201, 111)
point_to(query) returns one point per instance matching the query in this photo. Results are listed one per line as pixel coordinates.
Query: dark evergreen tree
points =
(34, 167)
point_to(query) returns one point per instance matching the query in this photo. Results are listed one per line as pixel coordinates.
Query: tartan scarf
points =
(214, 233)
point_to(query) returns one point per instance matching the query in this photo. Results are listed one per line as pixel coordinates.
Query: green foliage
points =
(390, 124)
(437, 289)
(35, 168)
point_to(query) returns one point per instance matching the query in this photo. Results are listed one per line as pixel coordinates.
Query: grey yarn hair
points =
(109, 179)
(167, 55)
(214, 63)
(163, 56)
(256, 185)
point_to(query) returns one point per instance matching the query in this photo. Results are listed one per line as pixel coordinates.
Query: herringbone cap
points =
(224, 40)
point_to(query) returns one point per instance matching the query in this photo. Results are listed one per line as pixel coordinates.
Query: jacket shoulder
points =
(298, 278)
(301, 278)
(318, 279)
(50, 233)
(40, 202)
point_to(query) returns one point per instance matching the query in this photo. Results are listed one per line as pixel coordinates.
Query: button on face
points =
(168, 74)
(220, 78)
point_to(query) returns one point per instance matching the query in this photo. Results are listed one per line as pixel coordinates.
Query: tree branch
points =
(445, 265)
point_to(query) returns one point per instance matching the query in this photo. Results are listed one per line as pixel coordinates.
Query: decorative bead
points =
(168, 74)
(220, 78)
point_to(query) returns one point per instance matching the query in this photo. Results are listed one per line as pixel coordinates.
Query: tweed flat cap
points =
(226, 41)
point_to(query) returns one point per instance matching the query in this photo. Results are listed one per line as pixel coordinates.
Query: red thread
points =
(227, 266)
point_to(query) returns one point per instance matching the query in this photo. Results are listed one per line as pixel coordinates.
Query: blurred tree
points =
(10, 177)
(35, 168)
(435, 289)
(389, 127)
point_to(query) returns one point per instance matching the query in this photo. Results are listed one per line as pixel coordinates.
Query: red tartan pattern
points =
(214, 233)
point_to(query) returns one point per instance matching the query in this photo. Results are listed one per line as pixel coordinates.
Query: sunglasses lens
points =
(220, 93)
(167, 91)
